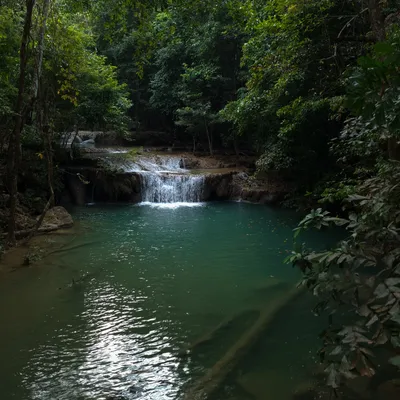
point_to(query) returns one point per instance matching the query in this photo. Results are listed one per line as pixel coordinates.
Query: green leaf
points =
(356, 197)
(381, 338)
(364, 311)
(381, 291)
(395, 361)
(336, 351)
(395, 340)
(333, 376)
(392, 281)
(370, 282)
(395, 310)
(372, 321)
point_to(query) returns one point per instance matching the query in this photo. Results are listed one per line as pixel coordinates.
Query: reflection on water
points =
(110, 314)
(171, 205)
(113, 348)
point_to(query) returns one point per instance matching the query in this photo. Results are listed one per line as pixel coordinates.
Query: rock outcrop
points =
(247, 188)
(57, 218)
(91, 184)
(120, 178)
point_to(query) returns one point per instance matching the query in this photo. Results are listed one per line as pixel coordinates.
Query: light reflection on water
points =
(118, 350)
(172, 206)
(149, 281)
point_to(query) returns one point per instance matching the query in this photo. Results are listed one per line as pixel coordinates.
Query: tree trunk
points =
(137, 105)
(393, 149)
(377, 19)
(209, 138)
(378, 28)
(42, 31)
(235, 145)
(15, 139)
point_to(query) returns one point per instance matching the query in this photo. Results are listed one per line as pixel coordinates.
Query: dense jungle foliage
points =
(310, 86)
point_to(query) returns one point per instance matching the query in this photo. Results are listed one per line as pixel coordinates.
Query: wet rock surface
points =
(117, 176)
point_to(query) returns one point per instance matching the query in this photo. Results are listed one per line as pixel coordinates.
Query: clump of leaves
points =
(360, 277)
(133, 153)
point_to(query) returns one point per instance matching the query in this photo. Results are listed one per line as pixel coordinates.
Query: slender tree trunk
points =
(393, 149)
(42, 31)
(50, 202)
(377, 19)
(209, 138)
(235, 145)
(137, 105)
(15, 140)
(378, 28)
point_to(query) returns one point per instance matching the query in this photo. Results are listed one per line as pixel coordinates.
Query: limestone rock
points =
(57, 217)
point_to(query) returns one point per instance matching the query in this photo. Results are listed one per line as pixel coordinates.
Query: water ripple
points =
(118, 350)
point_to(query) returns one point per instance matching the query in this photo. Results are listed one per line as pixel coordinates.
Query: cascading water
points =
(164, 179)
(171, 188)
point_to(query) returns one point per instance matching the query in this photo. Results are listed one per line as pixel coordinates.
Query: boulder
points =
(57, 218)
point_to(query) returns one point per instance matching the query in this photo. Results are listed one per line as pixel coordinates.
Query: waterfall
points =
(171, 188)
(163, 179)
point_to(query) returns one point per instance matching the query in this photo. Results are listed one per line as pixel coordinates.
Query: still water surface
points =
(148, 282)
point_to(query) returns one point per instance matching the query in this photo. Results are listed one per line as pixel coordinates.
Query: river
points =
(112, 314)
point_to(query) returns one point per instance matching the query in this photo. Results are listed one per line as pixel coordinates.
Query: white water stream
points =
(165, 180)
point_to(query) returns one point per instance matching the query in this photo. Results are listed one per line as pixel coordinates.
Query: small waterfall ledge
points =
(157, 179)
(171, 188)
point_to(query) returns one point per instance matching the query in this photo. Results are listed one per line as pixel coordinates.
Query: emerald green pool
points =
(148, 282)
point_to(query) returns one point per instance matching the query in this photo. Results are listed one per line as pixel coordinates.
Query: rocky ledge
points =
(121, 175)
(89, 185)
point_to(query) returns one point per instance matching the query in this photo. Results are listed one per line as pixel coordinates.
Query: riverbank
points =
(33, 243)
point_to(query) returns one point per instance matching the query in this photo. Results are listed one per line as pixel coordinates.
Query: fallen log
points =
(211, 381)
(210, 335)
